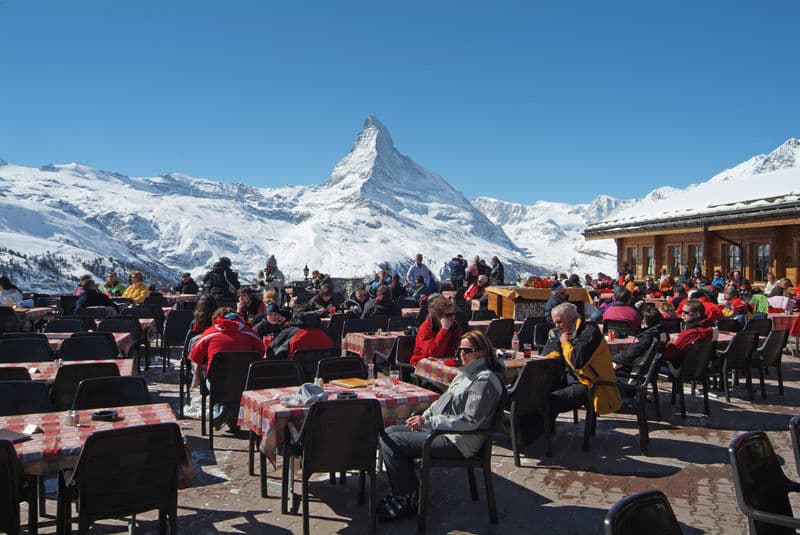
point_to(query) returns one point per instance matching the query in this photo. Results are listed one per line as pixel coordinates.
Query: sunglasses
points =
(466, 350)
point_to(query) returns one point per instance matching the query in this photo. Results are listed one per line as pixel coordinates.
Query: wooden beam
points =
(754, 224)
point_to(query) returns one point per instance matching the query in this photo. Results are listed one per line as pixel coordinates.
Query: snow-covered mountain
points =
(378, 209)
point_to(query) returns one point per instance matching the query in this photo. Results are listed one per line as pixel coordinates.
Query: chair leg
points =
(371, 504)
(251, 448)
(656, 401)
(706, 404)
(41, 491)
(287, 484)
(548, 438)
(514, 441)
(587, 425)
(780, 378)
(761, 381)
(682, 397)
(726, 385)
(262, 461)
(362, 477)
(306, 529)
(162, 522)
(473, 485)
(422, 508)
(487, 479)
(748, 382)
(203, 415)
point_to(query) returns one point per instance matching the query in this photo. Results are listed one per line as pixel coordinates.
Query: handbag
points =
(187, 471)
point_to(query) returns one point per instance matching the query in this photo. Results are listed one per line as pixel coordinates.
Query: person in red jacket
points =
(695, 327)
(439, 334)
(227, 333)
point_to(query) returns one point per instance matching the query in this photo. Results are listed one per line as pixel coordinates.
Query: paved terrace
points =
(566, 493)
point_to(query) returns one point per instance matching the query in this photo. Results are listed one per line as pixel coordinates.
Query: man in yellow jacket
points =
(137, 290)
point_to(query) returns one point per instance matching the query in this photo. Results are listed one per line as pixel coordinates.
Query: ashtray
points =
(346, 395)
(105, 416)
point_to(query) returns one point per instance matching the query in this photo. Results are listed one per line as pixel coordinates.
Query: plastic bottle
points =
(515, 343)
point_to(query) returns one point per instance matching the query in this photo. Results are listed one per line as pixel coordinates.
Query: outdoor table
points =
(782, 322)
(482, 325)
(124, 342)
(47, 368)
(409, 312)
(436, 371)
(262, 411)
(33, 315)
(59, 446)
(182, 298)
(365, 345)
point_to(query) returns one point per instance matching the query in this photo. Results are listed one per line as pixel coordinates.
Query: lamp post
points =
(305, 272)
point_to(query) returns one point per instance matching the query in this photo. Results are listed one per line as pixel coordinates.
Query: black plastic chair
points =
(15, 487)
(770, 353)
(158, 300)
(65, 325)
(88, 348)
(540, 333)
(101, 392)
(482, 459)
(176, 326)
(635, 385)
(22, 334)
(97, 312)
(397, 324)
(264, 374)
(527, 331)
(335, 325)
(308, 360)
(88, 321)
(760, 325)
(358, 325)
(644, 512)
(398, 357)
(530, 396)
(8, 320)
(25, 350)
(185, 372)
(123, 472)
(337, 435)
(762, 489)
(729, 325)
(621, 328)
(154, 312)
(694, 368)
(69, 376)
(341, 368)
(794, 432)
(128, 324)
(67, 304)
(500, 332)
(671, 325)
(24, 397)
(483, 315)
(737, 356)
(227, 376)
(14, 374)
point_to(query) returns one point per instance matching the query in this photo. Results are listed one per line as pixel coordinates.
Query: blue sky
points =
(519, 101)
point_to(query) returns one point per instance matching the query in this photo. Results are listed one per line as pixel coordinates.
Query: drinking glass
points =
(394, 378)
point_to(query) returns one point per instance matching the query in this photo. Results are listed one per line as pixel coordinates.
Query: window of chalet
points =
(649, 261)
(733, 258)
(695, 257)
(633, 259)
(763, 260)
(675, 260)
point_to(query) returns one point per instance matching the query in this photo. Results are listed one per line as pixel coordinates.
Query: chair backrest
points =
(643, 368)
(620, 327)
(228, 374)
(22, 334)
(273, 374)
(122, 324)
(128, 470)
(526, 333)
(728, 325)
(97, 312)
(359, 325)
(533, 385)
(8, 320)
(25, 350)
(340, 435)
(772, 349)
(88, 347)
(696, 359)
(760, 325)
(67, 303)
(147, 311)
(186, 305)
(540, 334)
(102, 392)
(740, 349)
(69, 376)
(399, 324)
(159, 300)
(334, 328)
(65, 325)
(671, 325)
(11, 474)
(794, 431)
(88, 321)
(14, 374)
(341, 368)
(402, 349)
(308, 359)
(645, 512)
(52, 301)
(176, 326)
(500, 332)
(24, 397)
(758, 479)
(483, 315)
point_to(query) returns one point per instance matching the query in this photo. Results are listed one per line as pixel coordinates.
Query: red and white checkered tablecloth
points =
(34, 314)
(59, 446)
(124, 342)
(262, 411)
(182, 298)
(365, 345)
(45, 371)
(436, 371)
(723, 338)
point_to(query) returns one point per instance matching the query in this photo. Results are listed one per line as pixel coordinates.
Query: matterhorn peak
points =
(374, 137)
